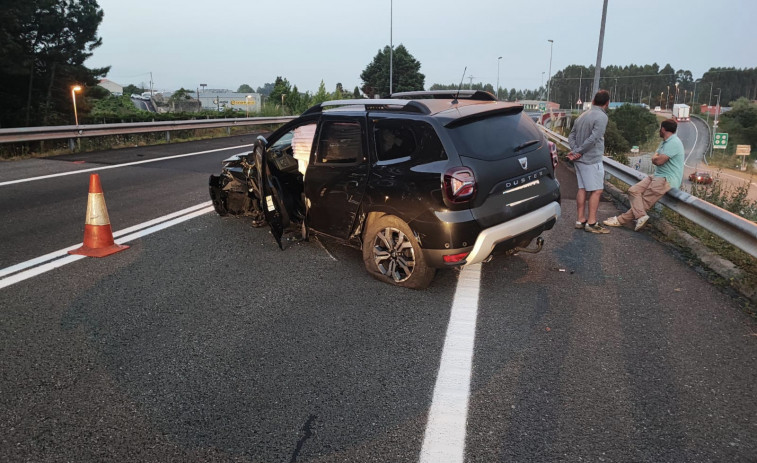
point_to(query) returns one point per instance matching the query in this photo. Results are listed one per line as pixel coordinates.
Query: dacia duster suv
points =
(418, 182)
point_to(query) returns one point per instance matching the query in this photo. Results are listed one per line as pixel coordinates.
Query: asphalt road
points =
(205, 342)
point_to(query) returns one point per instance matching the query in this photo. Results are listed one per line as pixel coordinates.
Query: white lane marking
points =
(64, 251)
(146, 161)
(696, 137)
(444, 440)
(67, 259)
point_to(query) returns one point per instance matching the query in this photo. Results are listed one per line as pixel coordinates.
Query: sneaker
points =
(580, 225)
(640, 222)
(596, 228)
(612, 222)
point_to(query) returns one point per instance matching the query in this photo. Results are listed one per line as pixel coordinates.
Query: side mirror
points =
(262, 140)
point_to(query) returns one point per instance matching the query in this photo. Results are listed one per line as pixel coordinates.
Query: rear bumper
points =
(489, 238)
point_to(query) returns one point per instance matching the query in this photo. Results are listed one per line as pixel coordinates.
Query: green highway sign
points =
(720, 141)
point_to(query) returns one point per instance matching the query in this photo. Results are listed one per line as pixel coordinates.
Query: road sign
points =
(634, 149)
(743, 150)
(579, 101)
(720, 141)
(542, 106)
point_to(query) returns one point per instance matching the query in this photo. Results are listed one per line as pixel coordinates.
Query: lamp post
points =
(549, 79)
(717, 109)
(498, 61)
(247, 105)
(549, 76)
(675, 98)
(661, 94)
(667, 98)
(709, 100)
(391, 47)
(694, 95)
(75, 89)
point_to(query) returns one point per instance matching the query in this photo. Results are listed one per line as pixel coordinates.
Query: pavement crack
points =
(308, 433)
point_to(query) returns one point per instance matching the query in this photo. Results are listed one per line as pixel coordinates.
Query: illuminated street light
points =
(75, 89)
(675, 98)
(667, 98)
(247, 105)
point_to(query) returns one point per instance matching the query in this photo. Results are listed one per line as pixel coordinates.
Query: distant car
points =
(657, 109)
(701, 177)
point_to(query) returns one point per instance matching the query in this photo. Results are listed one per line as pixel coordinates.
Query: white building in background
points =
(111, 86)
(221, 100)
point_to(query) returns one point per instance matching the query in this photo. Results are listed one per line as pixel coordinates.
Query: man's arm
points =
(597, 132)
(659, 159)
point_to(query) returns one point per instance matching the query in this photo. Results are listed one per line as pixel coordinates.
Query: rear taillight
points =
(553, 153)
(459, 184)
(455, 258)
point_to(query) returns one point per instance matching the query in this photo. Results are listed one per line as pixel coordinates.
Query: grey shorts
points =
(591, 177)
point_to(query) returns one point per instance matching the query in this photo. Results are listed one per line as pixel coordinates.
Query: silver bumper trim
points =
(489, 237)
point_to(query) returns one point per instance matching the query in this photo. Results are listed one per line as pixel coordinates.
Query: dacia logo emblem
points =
(523, 163)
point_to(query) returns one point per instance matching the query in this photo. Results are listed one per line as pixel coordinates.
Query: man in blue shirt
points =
(668, 161)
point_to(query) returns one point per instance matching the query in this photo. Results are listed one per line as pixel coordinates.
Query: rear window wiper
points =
(526, 144)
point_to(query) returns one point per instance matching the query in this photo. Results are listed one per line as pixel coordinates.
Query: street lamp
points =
(247, 105)
(667, 98)
(549, 79)
(549, 76)
(675, 98)
(498, 61)
(391, 47)
(75, 89)
(661, 94)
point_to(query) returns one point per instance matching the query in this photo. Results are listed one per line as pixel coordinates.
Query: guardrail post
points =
(71, 144)
(168, 136)
(228, 130)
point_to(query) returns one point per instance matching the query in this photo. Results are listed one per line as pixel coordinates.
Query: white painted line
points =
(67, 259)
(696, 137)
(444, 440)
(64, 251)
(117, 166)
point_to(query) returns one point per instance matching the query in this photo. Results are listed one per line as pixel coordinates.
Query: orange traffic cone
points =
(98, 236)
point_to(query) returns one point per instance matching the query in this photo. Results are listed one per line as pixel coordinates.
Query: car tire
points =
(391, 254)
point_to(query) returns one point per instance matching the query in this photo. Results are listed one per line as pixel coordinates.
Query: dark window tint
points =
(340, 142)
(397, 139)
(495, 137)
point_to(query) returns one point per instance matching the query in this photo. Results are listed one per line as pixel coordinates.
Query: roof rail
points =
(447, 95)
(372, 105)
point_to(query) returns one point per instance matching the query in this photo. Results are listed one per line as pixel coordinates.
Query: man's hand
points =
(573, 156)
(659, 159)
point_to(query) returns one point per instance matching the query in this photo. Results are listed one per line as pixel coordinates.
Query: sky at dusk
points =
(226, 43)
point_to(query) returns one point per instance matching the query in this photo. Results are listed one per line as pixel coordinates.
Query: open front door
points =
(270, 190)
(336, 179)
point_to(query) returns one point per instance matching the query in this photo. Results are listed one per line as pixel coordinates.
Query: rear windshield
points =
(496, 137)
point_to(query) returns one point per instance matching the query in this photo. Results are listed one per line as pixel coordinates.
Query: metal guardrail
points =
(736, 230)
(25, 134)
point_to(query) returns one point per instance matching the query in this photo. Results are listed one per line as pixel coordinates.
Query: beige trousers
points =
(642, 196)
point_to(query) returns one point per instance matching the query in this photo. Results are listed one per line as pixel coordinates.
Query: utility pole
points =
(391, 47)
(598, 68)
(150, 84)
(470, 85)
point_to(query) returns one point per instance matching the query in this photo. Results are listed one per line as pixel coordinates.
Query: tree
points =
(356, 93)
(634, 123)
(406, 74)
(266, 89)
(320, 96)
(741, 123)
(44, 46)
(615, 144)
(244, 88)
(180, 94)
(281, 88)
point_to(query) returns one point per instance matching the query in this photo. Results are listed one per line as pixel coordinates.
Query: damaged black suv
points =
(420, 181)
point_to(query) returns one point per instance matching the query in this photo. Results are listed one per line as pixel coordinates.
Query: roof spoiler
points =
(371, 105)
(479, 95)
(504, 111)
